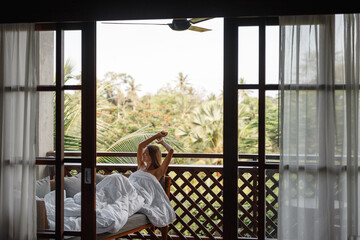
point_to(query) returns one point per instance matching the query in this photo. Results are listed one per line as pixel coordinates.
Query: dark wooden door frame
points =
(88, 132)
(231, 87)
(230, 141)
(88, 129)
(59, 103)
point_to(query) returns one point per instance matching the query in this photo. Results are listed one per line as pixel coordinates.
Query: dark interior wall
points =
(67, 10)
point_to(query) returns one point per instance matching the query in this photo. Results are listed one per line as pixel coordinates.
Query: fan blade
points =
(197, 20)
(135, 23)
(198, 29)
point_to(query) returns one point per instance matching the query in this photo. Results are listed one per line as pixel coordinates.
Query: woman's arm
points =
(166, 145)
(166, 162)
(143, 145)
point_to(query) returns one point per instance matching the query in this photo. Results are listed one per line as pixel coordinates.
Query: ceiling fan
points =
(177, 24)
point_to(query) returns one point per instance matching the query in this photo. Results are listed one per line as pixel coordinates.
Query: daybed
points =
(135, 223)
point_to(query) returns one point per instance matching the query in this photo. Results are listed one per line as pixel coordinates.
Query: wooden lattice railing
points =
(197, 200)
(247, 202)
(196, 195)
(271, 191)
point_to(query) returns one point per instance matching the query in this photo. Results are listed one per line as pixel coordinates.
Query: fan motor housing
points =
(180, 25)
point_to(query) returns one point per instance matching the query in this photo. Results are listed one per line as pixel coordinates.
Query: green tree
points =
(272, 125)
(183, 82)
(72, 137)
(72, 116)
(132, 90)
(205, 133)
(248, 125)
(194, 122)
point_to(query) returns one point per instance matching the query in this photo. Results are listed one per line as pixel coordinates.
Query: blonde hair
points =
(155, 155)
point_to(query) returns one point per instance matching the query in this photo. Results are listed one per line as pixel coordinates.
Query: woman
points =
(149, 156)
(147, 181)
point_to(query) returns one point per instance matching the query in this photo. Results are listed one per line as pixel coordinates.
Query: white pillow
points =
(42, 187)
(99, 177)
(72, 185)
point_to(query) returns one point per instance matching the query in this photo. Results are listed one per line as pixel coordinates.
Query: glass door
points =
(251, 103)
(67, 122)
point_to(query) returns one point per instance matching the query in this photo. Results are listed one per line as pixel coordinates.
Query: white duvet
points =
(117, 198)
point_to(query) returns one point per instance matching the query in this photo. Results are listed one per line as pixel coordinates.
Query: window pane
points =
(72, 57)
(247, 203)
(46, 190)
(271, 206)
(248, 119)
(72, 186)
(151, 78)
(46, 123)
(46, 58)
(272, 124)
(45, 183)
(272, 54)
(248, 55)
(72, 120)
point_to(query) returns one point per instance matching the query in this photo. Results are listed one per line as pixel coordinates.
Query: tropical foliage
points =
(194, 121)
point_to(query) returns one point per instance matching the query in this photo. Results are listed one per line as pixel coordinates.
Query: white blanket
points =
(117, 198)
(157, 206)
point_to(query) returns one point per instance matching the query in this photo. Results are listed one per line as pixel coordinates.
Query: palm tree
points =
(130, 143)
(72, 142)
(243, 93)
(72, 116)
(68, 70)
(110, 87)
(185, 104)
(206, 130)
(208, 121)
(183, 83)
(132, 90)
(247, 129)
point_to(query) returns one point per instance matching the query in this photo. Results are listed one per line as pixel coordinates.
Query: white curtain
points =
(319, 169)
(18, 101)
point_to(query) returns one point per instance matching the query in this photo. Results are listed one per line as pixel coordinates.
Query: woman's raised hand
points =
(162, 134)
(160, 137)
(159, 140)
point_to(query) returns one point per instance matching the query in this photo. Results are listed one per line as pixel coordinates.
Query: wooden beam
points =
(230, 188)
(88, 132)
(61, 11)
(261, 131)
(59, 166)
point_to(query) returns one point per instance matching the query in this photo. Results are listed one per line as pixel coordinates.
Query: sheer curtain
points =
(319, 169)
(18, 101)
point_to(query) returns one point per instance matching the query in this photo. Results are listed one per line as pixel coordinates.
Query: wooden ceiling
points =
(92, 10)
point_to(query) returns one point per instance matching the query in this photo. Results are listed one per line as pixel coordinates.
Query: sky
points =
(154, 55)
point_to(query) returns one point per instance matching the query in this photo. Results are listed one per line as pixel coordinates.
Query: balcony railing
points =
(196, 195)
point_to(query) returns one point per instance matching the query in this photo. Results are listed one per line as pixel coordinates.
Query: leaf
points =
(131, 142)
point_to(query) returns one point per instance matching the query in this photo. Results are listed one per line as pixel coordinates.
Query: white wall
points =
(46, 115)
